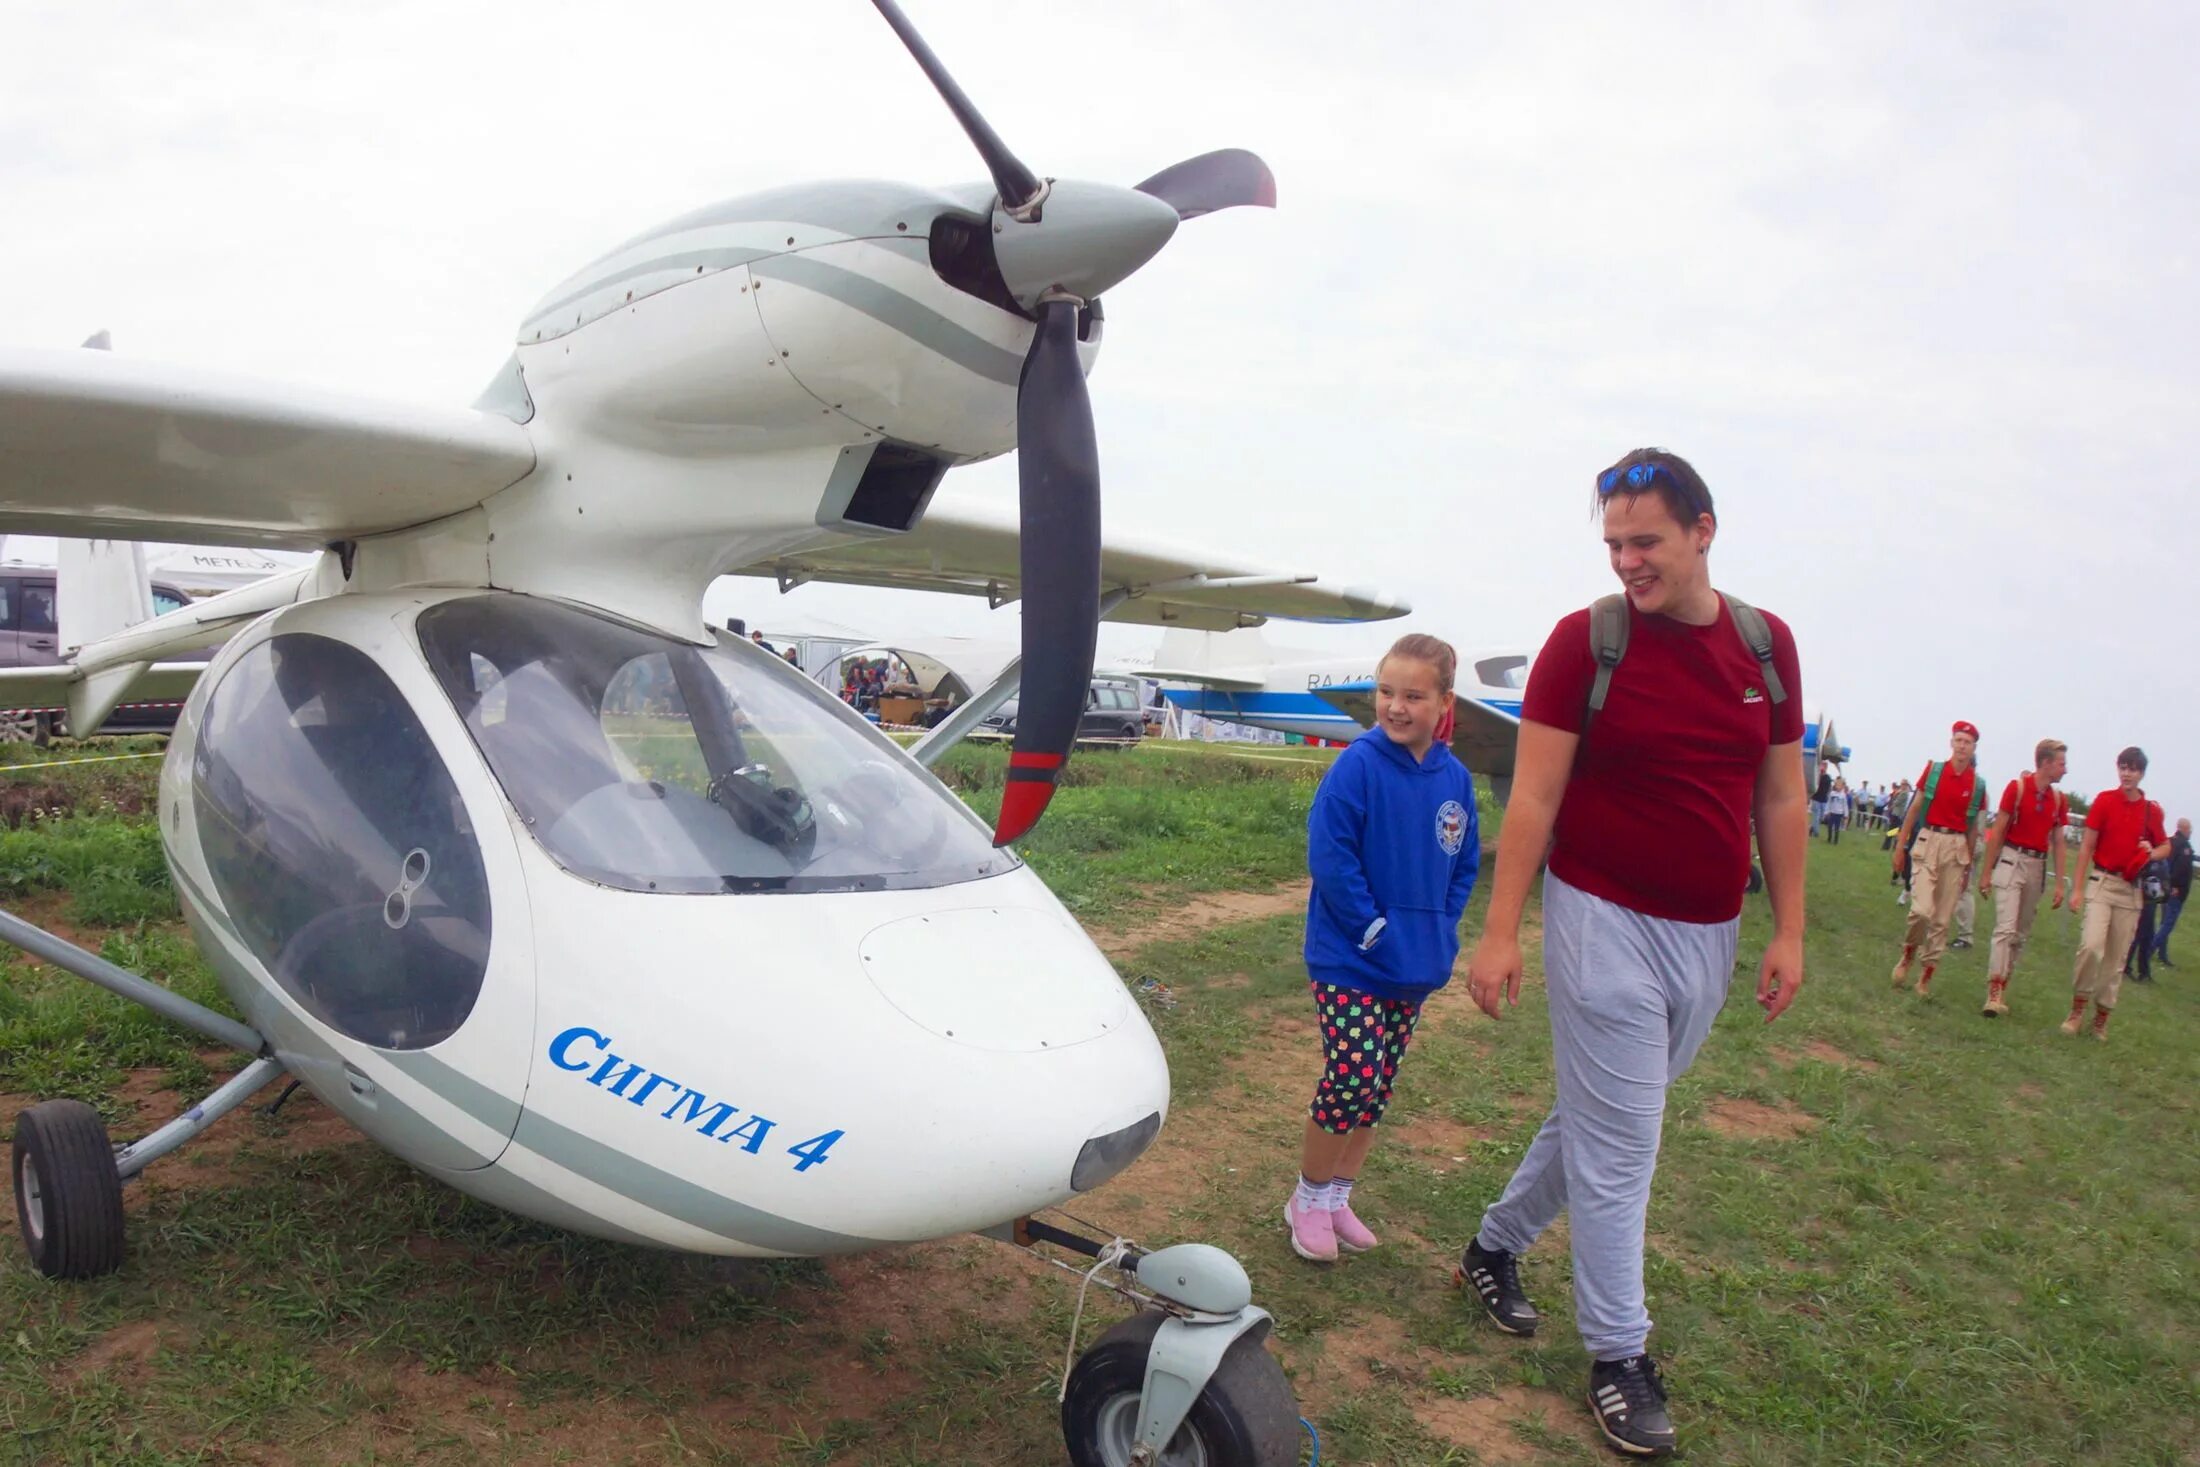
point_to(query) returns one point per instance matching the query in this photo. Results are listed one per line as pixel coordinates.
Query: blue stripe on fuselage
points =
(1296, 707)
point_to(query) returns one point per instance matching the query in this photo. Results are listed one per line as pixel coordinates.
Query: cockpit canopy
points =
(651, 764)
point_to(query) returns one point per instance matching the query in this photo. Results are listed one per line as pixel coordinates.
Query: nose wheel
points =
(68, 1194)
(1187, 1381)
(1245, 1417)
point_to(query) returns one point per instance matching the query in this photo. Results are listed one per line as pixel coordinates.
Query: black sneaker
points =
(1494, 1275)
(1628, 1401)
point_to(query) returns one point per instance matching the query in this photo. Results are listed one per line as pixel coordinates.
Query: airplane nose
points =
(1008, 979)
(1103, 1156)
(1084, 238)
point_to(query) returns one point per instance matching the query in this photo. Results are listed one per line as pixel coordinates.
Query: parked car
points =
(30, 636)
(1111, 715)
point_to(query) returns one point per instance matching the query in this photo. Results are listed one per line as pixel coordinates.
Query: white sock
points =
(1310, 1195)
(1339, 1196)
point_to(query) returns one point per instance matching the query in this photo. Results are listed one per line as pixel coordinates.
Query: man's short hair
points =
(2133, 758)
(1676, 484)
(2047, 749)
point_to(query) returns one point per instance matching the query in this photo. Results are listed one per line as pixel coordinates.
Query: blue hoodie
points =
(1397, 841)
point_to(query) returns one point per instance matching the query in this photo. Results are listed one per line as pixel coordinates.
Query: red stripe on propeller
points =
(1022, 802)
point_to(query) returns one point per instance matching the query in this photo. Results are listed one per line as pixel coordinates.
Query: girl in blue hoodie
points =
(1393, 846)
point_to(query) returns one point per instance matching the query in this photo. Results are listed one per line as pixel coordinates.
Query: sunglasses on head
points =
(1638, 478)
(1635, 478)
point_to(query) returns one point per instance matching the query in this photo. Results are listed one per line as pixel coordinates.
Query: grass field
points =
(1885, 1230)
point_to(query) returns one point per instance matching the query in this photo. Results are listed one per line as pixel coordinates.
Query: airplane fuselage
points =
(1290, 699)
(653, 942)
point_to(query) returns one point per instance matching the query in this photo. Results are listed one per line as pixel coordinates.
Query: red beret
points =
(1963, 727)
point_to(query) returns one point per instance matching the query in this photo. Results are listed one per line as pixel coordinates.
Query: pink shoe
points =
(1352, 1234)
(1312, 1235)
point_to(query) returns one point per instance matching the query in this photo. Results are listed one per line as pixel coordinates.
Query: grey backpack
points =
(1609, 617)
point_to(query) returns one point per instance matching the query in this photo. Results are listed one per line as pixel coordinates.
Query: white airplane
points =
(607, 918)
(1234, 676)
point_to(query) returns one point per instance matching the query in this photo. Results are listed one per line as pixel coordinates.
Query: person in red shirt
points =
(1940, 863)
(1646, 807)
(2123, 831)
(2028, 824)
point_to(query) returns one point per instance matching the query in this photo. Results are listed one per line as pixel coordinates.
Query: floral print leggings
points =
(1364, 1040)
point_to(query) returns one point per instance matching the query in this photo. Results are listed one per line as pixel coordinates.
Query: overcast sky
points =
(1914, 287)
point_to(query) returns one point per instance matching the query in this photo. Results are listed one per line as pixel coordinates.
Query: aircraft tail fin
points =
(102, 589)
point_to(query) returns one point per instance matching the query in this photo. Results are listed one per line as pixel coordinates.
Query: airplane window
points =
(165, 601)
(339, 845)
(1502, 672)
(649, 764)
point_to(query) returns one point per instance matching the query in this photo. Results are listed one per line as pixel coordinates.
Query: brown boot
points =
(2077, 1016)
(1995, 1007)
(1925, 980)
(1902, 969)
(2100, 1023)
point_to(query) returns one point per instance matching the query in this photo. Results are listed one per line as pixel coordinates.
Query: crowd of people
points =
(2130, 885)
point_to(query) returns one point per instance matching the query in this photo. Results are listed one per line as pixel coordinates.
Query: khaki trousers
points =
(2111, 920)
(1937, 871)
(2020, 880)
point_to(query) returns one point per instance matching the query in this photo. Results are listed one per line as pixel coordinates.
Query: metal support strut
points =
(239, 1088)
(66, 955)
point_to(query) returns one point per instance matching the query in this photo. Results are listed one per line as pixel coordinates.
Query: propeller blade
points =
(1058, 494)
(1217, 180)
(1017, 184)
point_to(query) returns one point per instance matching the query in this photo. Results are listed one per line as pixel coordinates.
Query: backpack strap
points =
(1756, 634)
(1608, 622)
(1932, 788)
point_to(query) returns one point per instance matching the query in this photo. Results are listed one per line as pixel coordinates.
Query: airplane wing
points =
(127, 666)
(973, 549)
(1220, 682)
(93, 445)
(47, 689)
(1483, 737)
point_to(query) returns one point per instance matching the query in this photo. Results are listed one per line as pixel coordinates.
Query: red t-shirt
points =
(1656, 815)
(2121, 826)
(1951, 808)
(2033, 813)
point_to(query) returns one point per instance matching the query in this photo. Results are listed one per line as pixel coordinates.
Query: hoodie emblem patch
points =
(1451, 827)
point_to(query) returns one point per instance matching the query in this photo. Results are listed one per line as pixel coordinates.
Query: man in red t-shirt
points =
(1645, 806)
(2028, 824)
(2123, 831)
(1941, 860)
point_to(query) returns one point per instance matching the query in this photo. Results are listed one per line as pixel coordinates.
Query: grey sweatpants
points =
(1632, 998)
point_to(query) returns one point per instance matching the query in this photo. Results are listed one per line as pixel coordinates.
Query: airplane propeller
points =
(1059, 243)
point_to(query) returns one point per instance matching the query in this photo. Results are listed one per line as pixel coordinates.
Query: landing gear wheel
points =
(68, 1196)
(21, 726)
(1246, 1417)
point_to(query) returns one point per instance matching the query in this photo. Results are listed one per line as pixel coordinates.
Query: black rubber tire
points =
(79, 1234)
(1247, 1416)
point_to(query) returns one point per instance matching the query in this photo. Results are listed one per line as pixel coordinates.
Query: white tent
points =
(195, 570)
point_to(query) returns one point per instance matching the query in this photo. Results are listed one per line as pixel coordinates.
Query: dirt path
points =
(1216, 909)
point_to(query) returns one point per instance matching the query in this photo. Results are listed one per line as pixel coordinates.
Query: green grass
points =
(1983, 1247)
